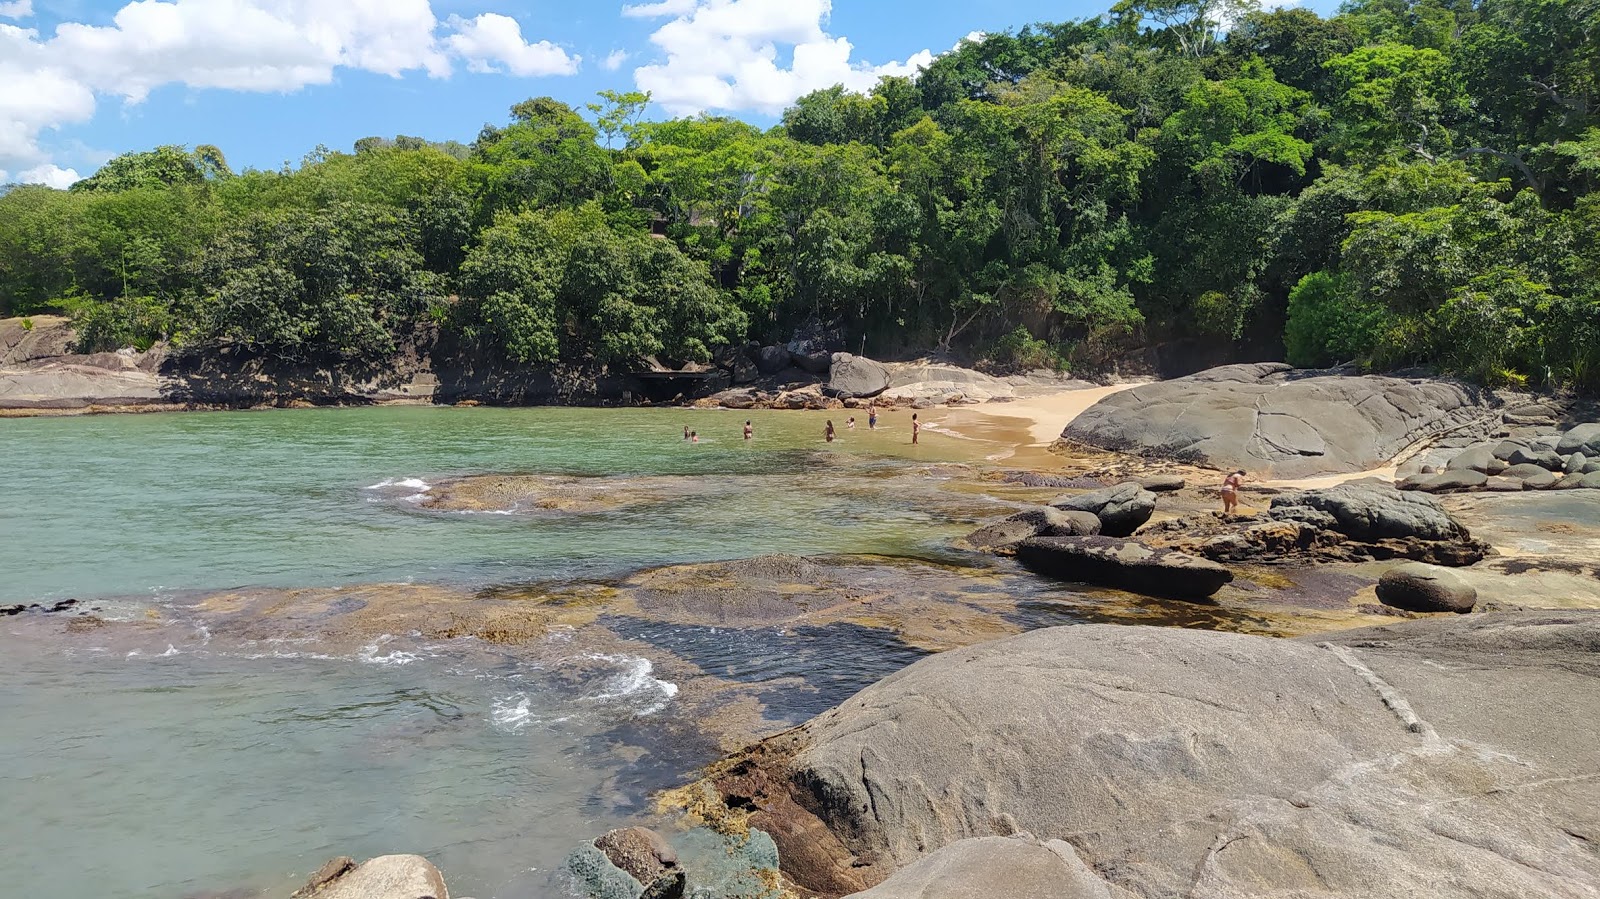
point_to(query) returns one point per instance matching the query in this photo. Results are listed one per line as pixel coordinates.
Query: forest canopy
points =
(1403, 183)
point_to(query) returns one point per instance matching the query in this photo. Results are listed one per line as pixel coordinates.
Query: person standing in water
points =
(827, 433)
(686, 432)
(916, 429)
(872, 417)
(1230, 491)
(749, 430)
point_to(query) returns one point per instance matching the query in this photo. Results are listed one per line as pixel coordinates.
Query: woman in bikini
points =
(1230, 491)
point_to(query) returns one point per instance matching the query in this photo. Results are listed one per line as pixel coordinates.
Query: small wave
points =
(171, 651)
(370, 654)
(636, 680)
(511, 713)
(412, 483)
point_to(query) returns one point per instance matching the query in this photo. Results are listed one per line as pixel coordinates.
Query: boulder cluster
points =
(1561, 461)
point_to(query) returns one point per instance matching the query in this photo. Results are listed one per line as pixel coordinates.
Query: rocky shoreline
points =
(1357, 689)
(41, 373)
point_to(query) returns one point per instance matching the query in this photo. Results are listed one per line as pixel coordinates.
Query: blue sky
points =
(268, 80)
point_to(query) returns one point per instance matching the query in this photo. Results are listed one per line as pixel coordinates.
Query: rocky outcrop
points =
(1011, 867)
(1121, 509)
(1371, 511)
(1125, 565)
(640, 851)
(1538, 462)
(1280, 422)
(1447, 758)
(1041, 522)
(855, 377)
(1417, 587)
(384, 877)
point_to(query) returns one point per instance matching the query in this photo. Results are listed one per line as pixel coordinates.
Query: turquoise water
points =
(160, 763)
(130, 504)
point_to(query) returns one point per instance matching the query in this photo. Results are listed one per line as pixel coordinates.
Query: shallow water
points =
(149, 767)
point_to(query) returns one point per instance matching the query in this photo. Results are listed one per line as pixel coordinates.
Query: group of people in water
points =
(828, 432)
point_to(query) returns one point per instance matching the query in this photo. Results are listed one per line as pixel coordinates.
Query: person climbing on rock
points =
(1230, 491)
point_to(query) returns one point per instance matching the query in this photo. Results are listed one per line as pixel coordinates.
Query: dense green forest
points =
(1404, 183)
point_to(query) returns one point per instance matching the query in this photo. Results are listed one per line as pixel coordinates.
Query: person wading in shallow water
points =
(694, 436)
(916, 428)
(872, 417)
(827, 433)
(686, 432)
(749, 430)
(1230, 491)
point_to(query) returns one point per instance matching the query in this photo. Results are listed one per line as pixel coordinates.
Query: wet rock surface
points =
(1417, 587)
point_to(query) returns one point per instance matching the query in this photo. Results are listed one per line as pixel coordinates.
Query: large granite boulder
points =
(1280, 422)
(1451, 758)
(1041, 522)
(384, 877)
(1010, 867)
(1584, 439)
(1417, 587)
(1122, 509)
(855, 377)
(1371, 510)
(1125, 565)
(1479, 458)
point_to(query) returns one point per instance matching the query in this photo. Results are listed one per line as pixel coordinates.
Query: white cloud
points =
(662, 8)
(54, 176)
(247, 45)
(723, 54)
(615, 60)
(492, 42)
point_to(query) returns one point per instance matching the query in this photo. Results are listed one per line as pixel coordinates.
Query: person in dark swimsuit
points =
(827, 433)
(916, 428)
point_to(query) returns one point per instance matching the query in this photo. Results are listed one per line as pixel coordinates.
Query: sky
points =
(269, 80)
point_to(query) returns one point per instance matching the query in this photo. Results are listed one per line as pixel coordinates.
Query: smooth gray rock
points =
(1541, 456)
(1572, 481)
(1416, 587)
(1502, 484)
(856, 377)
(1125, 565)
(1584, 438)
(1533, 477)
(1041, 522)
(1277, 422)
(1575, 464)
(386, 877)
(1446, 482)
(1477, 458)
(1509, 447)
(1011, 867)
(1370, 511)
(1121, 509)
(1162, 483)
(1591, 467)
(1451, 758)
(1591, 481)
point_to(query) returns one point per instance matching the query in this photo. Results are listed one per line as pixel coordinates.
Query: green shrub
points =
(105, 326)
(1328, 325)
(27, 324)
(1021, 348)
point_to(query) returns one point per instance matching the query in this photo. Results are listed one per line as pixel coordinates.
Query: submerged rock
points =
(1417, 587)
(1125, 565)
